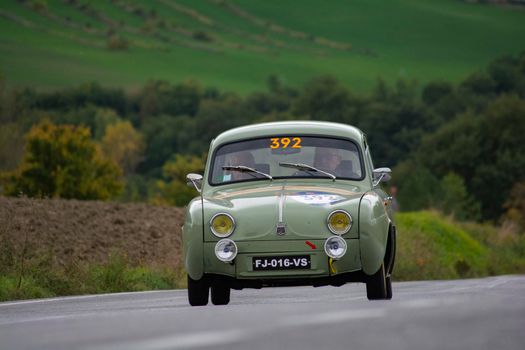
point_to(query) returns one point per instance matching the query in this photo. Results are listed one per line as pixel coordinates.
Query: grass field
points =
(236, 45)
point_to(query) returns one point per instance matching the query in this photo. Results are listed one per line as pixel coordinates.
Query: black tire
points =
(198, 291)
(376, 285)
(388, 287)
(220, 293)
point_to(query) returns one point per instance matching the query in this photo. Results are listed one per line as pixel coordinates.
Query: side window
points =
(368, 157)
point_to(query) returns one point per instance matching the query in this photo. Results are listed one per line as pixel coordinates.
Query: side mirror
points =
(195, 180)
(381, 175)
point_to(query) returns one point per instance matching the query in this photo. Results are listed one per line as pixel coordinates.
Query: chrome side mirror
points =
(195, 180)
(381, 175)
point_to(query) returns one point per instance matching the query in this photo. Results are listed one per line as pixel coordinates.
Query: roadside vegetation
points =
(430, 246)
(38, 277)
(434, 246)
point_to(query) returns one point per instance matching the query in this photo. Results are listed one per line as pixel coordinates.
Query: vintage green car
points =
(288, 204)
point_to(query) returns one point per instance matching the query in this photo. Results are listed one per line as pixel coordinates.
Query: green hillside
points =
(236, 45)
(432, 246)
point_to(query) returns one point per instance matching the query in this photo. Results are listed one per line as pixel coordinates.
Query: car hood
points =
(302, 208)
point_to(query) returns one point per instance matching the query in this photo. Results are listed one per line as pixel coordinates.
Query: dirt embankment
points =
(89, 231)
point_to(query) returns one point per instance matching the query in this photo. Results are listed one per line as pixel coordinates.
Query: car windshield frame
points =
(306, 176)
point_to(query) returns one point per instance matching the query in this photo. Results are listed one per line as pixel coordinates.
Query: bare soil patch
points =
(89, 231)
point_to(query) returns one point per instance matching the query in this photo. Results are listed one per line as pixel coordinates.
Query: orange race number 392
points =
(285, 142)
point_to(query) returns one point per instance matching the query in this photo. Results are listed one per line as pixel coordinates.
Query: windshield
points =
(337, 157)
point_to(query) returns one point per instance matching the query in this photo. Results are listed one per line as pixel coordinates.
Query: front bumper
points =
(241, 268)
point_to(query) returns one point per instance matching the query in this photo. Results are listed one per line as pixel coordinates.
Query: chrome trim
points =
(211, 226)
(339, 211)
(281, 226)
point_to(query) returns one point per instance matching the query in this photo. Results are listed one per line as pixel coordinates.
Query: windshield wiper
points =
(246, 169)
(306, 167)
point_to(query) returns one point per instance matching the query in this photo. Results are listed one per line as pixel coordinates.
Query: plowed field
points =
(89, 231)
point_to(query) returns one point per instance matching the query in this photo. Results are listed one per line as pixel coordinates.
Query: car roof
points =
(289, 128)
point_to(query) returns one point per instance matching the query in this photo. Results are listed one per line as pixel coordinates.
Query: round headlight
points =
(222, 225)
(225, 250)
(335, 247)
(339, 222)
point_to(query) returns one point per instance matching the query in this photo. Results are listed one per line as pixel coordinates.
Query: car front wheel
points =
(220, 293)
(376, 285)
(198, 291)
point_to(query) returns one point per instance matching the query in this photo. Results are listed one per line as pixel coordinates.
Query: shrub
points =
(117, 43)
(202, 36)
(62, 161)
(431, 247)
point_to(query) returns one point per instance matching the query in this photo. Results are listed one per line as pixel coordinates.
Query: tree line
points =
(453, 146)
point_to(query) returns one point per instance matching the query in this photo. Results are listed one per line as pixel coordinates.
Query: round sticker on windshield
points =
(316, 198)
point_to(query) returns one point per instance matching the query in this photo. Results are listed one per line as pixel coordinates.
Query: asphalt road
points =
(465, 314)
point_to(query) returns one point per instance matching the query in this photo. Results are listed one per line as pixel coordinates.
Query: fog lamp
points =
(335, 247)
(226, 250)
(222, 225)
(339, 222)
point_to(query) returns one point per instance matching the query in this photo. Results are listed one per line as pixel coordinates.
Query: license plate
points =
(296, 262)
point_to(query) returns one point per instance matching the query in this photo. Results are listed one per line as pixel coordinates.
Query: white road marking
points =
(330, 317)
(183, 341)
(422, 303)
(91, 296)
(500, 281)
(36, 319)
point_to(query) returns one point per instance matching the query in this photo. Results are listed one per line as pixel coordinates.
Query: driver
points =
(327, 159)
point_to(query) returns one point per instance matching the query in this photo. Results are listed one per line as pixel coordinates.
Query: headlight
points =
(222, 225)
(335, 247)
(226, 250)
(339, 222)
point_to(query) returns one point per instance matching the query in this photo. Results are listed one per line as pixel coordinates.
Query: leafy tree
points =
(260, 103)
(11, 146)
(456, 200)
(138, 188)
(62, 161)
(436, 91)
(479, 83)
(165, 135)
(92, 116)
(453, 147)
(216, 116)
(417, 186)
(508, 75)
(103, 118)
(276, 86)
(395, 120)
(324, 98)
(485, 150)
(160, 97)
(124, 145)
(78, 97)
(174, 190)
(515, 206)
(503, 160)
